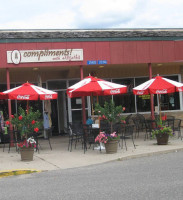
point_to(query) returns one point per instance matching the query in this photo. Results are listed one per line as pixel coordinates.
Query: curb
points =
(17, 172)
(149, 154)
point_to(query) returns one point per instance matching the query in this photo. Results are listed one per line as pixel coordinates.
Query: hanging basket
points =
(111, 146)
(162, 139)
(27, 153)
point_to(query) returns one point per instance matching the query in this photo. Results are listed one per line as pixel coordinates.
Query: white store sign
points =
(54, 55)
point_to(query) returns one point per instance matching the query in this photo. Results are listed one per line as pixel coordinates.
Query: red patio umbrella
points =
(92, 86)
(28, 91)
(158, 85)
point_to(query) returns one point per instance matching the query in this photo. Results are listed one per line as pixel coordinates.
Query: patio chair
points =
(127, 119)
(136, 122)
(129, 130)
(75, 134)
(117, 128)
(142, 121)
(48, 135)
(170, 123)
(39, 136)
(139, 122)
(149, 126)
(177, 127)
(6, 139)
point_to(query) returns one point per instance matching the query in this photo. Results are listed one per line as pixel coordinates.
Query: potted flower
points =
(110, 141)
(162, 130)
(27, 149)
(112, 114)
(26, 124)
(162, 133)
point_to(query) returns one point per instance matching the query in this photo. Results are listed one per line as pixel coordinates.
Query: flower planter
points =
(27, 153)
(162, 139)
(111, 146)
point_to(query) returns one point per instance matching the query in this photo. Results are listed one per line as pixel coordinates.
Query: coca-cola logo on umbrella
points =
(116, 91)
(22, 97)
(161, 91)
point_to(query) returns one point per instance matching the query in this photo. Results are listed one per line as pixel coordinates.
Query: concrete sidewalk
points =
(61, 158)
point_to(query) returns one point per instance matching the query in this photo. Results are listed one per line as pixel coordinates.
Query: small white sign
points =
(52, 55)
(78, 101)
(95, 125)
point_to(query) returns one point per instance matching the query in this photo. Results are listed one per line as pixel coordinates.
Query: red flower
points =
(12, 116)
(124, 108)
(20, 117)
(33, 122)
(104, 117)
(163, 118)
(36, 129)
(7, 123)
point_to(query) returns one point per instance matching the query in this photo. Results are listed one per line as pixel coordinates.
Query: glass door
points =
(75, 109)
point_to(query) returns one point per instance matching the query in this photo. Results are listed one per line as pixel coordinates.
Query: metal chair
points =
(38, 136)
(49, 134)
(149, 126)
(6, 139)
(170, 123)
(136, 122)
(87, 136)
(75, 134)
(139, 122)
(127, 119)
(117, 128)
(128, 132)
(177, 127)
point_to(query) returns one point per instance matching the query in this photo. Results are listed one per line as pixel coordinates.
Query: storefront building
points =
(56, 59)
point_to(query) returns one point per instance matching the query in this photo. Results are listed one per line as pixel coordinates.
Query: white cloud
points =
(83, 14)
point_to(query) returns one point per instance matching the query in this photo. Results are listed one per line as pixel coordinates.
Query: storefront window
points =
(170, 101)
(77, 116)
(77, 103)
(125, 100)
(72, 82)
(56, 85)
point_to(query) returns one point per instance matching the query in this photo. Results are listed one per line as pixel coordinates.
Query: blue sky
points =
(90, 14)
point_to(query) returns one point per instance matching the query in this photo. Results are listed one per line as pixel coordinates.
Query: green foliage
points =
(162, 130)
(109, 112)
(27, 123)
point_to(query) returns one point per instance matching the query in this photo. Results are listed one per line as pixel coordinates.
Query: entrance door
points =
(59, 113)
(75, 109)
(62, 111)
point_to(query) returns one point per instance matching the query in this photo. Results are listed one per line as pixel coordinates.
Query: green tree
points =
(27, 122)
(110, 112)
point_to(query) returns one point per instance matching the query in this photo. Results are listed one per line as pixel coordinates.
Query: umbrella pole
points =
(159, 108)
(27, 106)
(92, 104)
(98, 116)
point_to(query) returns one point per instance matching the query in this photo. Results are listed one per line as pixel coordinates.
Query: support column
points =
(9, 106)
(151, 95)
(83, 98)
